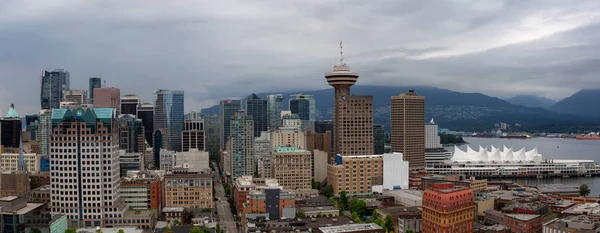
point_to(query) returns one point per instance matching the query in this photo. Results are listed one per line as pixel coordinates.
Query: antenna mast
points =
(341, 54)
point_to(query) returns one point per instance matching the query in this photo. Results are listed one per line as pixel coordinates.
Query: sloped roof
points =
(495, 154)
(12, 113)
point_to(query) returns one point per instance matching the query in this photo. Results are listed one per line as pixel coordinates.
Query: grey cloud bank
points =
(218, 49)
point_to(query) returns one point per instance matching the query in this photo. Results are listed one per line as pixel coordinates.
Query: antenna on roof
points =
(341, 54)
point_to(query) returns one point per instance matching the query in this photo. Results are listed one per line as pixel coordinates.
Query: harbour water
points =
(550, 148)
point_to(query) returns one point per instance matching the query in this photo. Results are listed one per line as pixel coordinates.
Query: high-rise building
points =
(448, 209)
(75, 96)
(292, 167)
(289, 134)
(193, 135)
(408, 128)
(194, 115)
(53, 84)
(227, 109)
(130, 103)
(10, 127)
(157, 140)
(355, 174)
(320, 146)
(45, 131)
(352, 114)
(378, 139)
(324, 126)
(107, 97)
(241, 155)
(84, 166)
(95, 82)
(304, 106)
(168, 117)
(211, 132)
(432, 138)
(145, 112)
(262, 154)
(257, 108)
(131, 134)
(274, 108)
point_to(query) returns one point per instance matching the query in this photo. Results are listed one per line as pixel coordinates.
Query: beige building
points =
(188, 189)
(107, 97)
(408, 128)
(76, 96)
(287, 137)
(10, 162)
(14, 184)
(353, 115)
(292, 167)
(355, 174)
(319, 168)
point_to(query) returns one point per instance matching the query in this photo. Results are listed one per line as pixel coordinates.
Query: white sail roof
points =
(495, 155)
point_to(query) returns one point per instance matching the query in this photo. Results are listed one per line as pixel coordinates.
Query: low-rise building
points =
(272, 203)
(578, 224)
(242, 186)
(10, 162)
(40, 194)
(352, 228)
(482, 203)
(355, 174)
(558, 205)
(14, 184)
(292, 167)
(493, 217)
(167, 158)
(193, 160)
(188, 189)
(559, 189)
(474, 184)
(140, 219)
(524, 223)
(130, 162)
(591, 210)
(527, 208)
(406, 197)
(19, 216)
(493, 229)
(403, 217)
(143, 190)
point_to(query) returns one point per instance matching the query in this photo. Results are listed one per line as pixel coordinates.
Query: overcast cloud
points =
(219, 49)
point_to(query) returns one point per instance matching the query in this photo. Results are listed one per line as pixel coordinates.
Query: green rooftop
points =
(12, 113)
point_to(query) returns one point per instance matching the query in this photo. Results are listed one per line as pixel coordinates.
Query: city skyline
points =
(480, 48)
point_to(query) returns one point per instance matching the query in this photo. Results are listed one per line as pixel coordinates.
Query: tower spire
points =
(341, 54)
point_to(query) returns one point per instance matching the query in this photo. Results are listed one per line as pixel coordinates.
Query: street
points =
(226, 220)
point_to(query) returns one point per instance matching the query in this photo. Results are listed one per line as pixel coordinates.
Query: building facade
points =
(75, 96)
(191, 190)
(94, 82)
(10, 162)
(525, 223)
(130, 103)
(145, 112)
(324, 126)
(271, 202)
(132, 137)
(211, 133)
(408, 128)
(304, 106)
(53, 84)
(432, 138)
(257, 108)
(378, 139)
(107, 97)
(355, 174)
(292, 167)
(130, 162)
(241, 154)
(10, 129)
(193, 136)
(274, 108)
(262, 154)
(227, 109)
(395, 172)
(448, 209)
(142, 191)
(168, 117)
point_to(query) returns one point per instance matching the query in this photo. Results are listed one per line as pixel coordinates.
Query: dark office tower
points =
(10, 127)
(274, 108)
(303, 106)
(145, 112)
(168, 117)
(227, 109)
(32, 123)
(257, 108)
(157, 140)
(131, 134)
(192, 136)
(211, 131)
(407, 126)
(324, 126)
(95, 82)
(130, 103)
(53, 84)
(31, 118)
(378, 139)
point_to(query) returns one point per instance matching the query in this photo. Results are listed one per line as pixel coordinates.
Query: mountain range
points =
(531, 101)
(458, 110)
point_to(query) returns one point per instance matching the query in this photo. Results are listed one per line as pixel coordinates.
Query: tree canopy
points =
(584, 190)
(195, 230)
(71, 230)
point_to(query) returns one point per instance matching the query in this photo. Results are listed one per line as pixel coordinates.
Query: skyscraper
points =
(408, 128)
(257, 108)
(227, 109)
(242, 145)
(378, 139)
(10, 127)
(353, 115)
(274, 108)
(45, 131)
(131, 134)
(107, 97)
(324, 126)
(304, 106)
(130, 103)
(53, 84)
(193, 137)
(262, 154)
(95, 82)
(448, 209)
(194, 115)
(211, 131)
(84, 166)
(432, 139)
(168, 117)
(145, 112)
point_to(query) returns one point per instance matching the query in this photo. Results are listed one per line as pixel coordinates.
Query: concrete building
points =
(168, 117)
(322, 127)
(94, 82)
(257, 108)
(448, 209)
(167, 159)
(319, 165)
(355, 174)
(579, 224)
(378, 139)
(262, 154)
(352, 114)
(274, 108)
(242, 186)
(352, 228)
(211, 133)
(193, 135)
(130, 103)
(272, 203)
(10, 129)
(193, 161)
(14, 184)
(525, 223)
(406, 197)
(145, 112)
(292, 167)
(53, 84)
(408, 128)
(19, 216)
(10, 162)
(395, 171)
(45, 131)
(436, 156)
(40, 194)
(188, 189)
(288, 135)
(130, 162)
(107, 97)
(76, 96)
(241, 154)
(83, 141)
(320, 142)
(432, 138)
(132, 136)
(493, 217)
(227, 110)
(144, 190)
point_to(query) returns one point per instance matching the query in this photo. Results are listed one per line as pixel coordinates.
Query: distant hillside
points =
(451, 109)
(531, 101)
(583, 103)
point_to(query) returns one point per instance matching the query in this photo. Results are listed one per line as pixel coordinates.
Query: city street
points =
(226, 220)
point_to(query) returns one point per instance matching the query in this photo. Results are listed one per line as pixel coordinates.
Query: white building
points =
(10, 162)
(395, 171)
(167, 158)
(432, 139)
(262, 154)
(193, 160)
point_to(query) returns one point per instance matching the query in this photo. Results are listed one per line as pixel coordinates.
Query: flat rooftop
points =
(523, 217)
(28, 208)
(139, 213)
(9, 198)
(350, 228)
(557, 188)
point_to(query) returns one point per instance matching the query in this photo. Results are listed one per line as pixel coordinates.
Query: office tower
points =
(53, 84)
(257, 108)
(408, 128)
(145, 112)
(77, 97)
(131, 134)
(211, 132)
(289, 134)
(432, 138)
(130, 103)
(448, 209)
(366, 169)
(242, 145)
(262, 154)
(292, 167)
(84, 166)
(107, 97)
(304, 106)
(352, 114)
(95, 82)
(130, 162)
(45, 131)
(168, 117)
(193, 136)
(189, 190)
(10, 127)
(194, 115)
(157, 140)
(324, 126)
(320, 146)
(378, 139)
(32, 126)
(227, 109)
(274, 108)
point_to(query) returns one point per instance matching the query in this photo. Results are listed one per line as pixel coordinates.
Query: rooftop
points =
(139, 213)
(585, 208)
(172, 209)
(350, 228)
(12, 113)
(558, 188)
(110, 230)
(523, 217)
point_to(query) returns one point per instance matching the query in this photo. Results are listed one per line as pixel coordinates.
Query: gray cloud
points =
(229, 48)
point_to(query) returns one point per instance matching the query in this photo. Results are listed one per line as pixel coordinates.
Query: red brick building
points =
(448, 209)
(523, 223)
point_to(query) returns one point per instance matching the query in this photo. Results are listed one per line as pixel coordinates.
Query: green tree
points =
(98, 231)
(35, 230)
(389, 224)
(358, 206)
(227, 189)
(71, 230)
(205, 230)
(341, 209)
(300, 214)
(343, 201)
(409, 231)
(218, 229)
(195, 230)
(121, 231)
(356, 218)
(187, 216)
(168, 230)
(584, 190)
(328, 192)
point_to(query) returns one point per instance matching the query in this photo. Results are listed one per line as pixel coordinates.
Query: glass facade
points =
(53, 84)
(274, 108)
(168, 117)
(227, 109)
(257, 108)
(145, 112)
(378, 140)
(211, 130)
(324, 126)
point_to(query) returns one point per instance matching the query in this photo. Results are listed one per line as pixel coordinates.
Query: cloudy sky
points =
(220, 49)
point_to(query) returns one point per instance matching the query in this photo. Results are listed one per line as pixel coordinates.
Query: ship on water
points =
(515, 136)
(590, 136)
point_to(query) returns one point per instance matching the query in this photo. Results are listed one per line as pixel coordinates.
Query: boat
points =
(482, 135)
(591, 136)
(515, 136)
